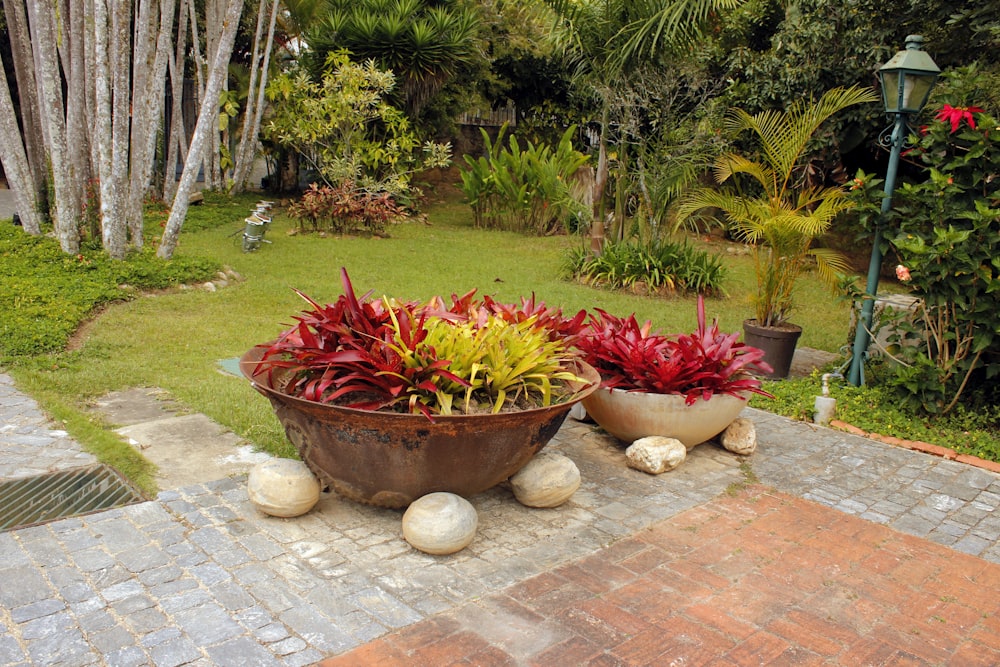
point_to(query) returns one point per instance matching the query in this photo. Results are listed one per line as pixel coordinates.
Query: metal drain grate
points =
(58, 495)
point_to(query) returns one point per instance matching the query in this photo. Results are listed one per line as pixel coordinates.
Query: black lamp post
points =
(906, 81)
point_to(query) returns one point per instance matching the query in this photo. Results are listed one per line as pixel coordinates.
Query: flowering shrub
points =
(947, 237)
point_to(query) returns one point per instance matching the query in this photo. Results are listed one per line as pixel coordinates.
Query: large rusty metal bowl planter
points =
(390, 459)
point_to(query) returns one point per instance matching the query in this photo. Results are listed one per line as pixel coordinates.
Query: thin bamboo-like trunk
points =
(15, 162)
(43, 38)
(24, 72)
(206, 125)
(147, 109)
(177, 143)
(247, 151)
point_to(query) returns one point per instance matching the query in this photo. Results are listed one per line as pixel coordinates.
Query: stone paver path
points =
(824, 561)
(29, 444)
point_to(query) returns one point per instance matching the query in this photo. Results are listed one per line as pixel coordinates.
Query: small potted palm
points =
(768, 204)
(387, 400)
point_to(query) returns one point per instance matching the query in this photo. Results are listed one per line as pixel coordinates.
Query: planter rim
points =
(249, 366)
(786, 327)
(744, 395)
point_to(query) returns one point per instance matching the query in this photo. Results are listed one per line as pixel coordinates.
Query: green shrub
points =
(657, 266)
(46, 294)
(527, 190)
(946, 233)
(346, 129)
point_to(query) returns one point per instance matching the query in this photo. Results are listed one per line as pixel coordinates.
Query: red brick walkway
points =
(760, 578)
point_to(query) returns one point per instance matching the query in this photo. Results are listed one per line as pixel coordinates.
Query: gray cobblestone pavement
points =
(198, 577)
(29, 445)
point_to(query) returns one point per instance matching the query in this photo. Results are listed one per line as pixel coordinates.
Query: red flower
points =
(955, 116)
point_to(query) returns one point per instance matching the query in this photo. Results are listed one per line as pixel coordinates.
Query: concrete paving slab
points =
(191, 449)
(135, 406)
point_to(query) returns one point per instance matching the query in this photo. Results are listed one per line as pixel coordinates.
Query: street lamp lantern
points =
(907, 78)
(906, 81)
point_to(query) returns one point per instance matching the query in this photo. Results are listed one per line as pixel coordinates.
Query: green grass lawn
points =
(174, 339)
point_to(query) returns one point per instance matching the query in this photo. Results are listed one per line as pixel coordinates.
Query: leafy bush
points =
(345, 209)
(526, 189)
(659, 265)
(696, 365)
(346, 129)
(425, 358)
(947, 237)
(45, 294)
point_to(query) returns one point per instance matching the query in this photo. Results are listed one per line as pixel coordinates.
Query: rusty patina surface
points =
(390, 459)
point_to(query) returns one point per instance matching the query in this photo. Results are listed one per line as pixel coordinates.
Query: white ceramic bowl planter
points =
(631, 415)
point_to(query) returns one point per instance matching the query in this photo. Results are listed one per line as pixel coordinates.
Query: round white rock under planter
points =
(440, 523)
(655, 454)
(282, 487)
(548, 480)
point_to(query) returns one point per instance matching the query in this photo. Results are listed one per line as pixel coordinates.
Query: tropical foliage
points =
(429, 358)
(526, 189)
(660, 266)
(767, 202)
(423, 43)
(345, 209)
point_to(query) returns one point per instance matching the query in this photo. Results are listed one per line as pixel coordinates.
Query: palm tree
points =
(780, 214)
(608, 40)
(421, 44)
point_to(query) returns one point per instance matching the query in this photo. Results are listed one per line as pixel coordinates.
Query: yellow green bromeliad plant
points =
(474, 355)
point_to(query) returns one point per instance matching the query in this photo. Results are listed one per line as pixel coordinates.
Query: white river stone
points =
(282, 487)
(655, 454)
(440, 523)
(548, 480)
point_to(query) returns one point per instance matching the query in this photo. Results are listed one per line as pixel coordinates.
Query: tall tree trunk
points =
(112, 35)
(90, 69)
(207, 124)
(247, 151)
(24, 72)
(15, 162)
(177, 143)
(43, 38)
(214, 12)
(147, 109)
(600, 182)
(200, 76)
(77, 137)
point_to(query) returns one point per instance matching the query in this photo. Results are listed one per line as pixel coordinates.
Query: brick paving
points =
(822, 548)
(757, 577)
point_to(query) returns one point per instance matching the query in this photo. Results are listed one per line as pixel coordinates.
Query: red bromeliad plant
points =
(696, 365)
(473, 355)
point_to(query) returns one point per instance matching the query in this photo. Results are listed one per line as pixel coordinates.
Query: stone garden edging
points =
(919, 446)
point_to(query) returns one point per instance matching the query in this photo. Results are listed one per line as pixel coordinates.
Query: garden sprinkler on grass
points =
(256, 225)
(825, 406)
